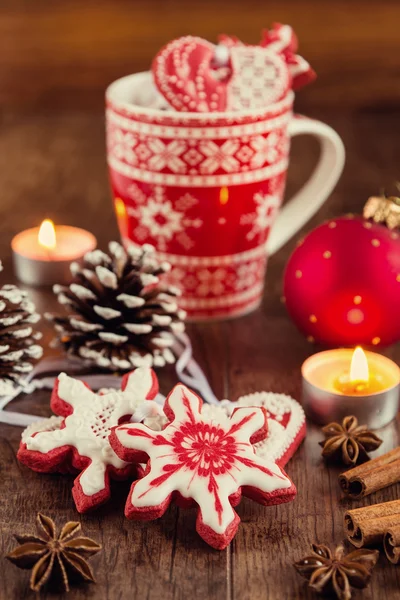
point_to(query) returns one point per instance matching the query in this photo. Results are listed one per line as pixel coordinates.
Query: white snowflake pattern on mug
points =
(122, 145)
(167, 155)
(161, 218)
(266, 209)
(219, 157)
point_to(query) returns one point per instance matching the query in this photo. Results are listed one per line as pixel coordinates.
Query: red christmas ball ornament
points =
(342, 283)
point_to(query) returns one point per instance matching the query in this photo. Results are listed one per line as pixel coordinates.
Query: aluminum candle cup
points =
(323, 401)
(38, 263)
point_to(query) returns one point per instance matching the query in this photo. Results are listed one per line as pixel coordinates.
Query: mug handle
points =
(313, 194)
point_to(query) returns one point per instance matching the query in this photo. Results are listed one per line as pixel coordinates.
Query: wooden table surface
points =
(54, 166)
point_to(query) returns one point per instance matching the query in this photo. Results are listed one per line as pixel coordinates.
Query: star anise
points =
(46, 551)
(337, 573)
(349, 441)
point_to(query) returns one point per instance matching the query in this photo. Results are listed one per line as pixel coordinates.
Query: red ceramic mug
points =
(205, 190)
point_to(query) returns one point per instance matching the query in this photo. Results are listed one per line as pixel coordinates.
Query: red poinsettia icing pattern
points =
(198, 459)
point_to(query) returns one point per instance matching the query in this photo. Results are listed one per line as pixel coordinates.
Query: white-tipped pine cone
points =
(19, 349)
(119, 313)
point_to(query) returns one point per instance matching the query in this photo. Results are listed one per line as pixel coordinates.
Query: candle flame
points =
(120, 208)
(223, 195)
(359, 370)
(47, 235)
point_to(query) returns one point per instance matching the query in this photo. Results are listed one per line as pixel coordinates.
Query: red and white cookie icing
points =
(186, 75)
(194, 75)
(286, 423)
(80, 440)
(198, 460)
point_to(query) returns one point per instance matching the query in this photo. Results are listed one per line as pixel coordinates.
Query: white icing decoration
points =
(148, 279)
(175, 291)
(9, 321)
(28, 306)
(58, 289)
(22, 333)
(16, 355)
(88, 427)
(117, 250)
(168, 355)
(81, 292)
(74, 267)
(34, 351)
(279, 438)
(12, 293)
(169, 307)
(158, 360)
(84, 325)
(141, 361)
(222, 459)
(162, 320)
(139, 328)
(120, 362)
(50, 424)
(2, 305)
(97, 257)
(163, 342)
(107, 277)
(178, 327)
(23, 367)
(99, 358)
(33, 318)
(63, 299)
(131, 301)
(166, 267)
(113, 338)
(156, 423)
(6, 387)
(106, 313)
(4, 348)
(134, 252)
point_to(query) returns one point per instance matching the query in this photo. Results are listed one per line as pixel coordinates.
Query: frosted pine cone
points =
(18, 342)
(120, 315)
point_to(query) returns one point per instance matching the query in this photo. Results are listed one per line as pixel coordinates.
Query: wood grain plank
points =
(65, 56)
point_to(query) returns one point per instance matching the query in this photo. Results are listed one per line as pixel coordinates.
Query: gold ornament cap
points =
(383, 209)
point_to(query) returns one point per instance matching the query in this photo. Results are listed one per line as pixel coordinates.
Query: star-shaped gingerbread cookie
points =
(199, 461)
(80, 441)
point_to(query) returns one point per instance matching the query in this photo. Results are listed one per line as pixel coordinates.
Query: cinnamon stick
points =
(372, 476)
(391, 544)
(367, 526)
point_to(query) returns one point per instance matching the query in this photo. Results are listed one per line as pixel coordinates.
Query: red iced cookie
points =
(285, 418)
(187, 74)
(79, 441)
(199, 461)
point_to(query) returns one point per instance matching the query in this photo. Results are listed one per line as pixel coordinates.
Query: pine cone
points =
(18, 348)
(120, 315)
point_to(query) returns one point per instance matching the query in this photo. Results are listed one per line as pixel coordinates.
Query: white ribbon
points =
(187, 370)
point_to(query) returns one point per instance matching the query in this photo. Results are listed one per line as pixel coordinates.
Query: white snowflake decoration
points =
(219, 157)
(211, 282)
(167, 155)
(123, 145)
(87, 430)
(204, 460)
(161, 218)
(263, 217)
(265, 149)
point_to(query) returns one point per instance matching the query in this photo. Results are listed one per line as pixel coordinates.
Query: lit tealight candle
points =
(343, 382)
(42, 255)
(359, 380)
